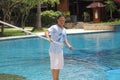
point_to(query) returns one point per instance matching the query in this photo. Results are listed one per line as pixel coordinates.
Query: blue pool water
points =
(96, 56)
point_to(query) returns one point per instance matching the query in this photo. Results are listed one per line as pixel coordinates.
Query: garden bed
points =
(98, 27)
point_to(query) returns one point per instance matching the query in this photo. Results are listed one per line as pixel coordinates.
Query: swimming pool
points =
(96, 57)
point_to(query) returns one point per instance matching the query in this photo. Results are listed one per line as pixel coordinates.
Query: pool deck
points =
(76, 31)
(69, 31)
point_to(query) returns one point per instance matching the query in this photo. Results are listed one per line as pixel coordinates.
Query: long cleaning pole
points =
(27, 31)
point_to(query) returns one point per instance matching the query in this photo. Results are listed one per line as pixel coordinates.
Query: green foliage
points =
(49, 17)
(52, 2)
(66, 13)
(31, 20)
(115, 22)
(110, 6)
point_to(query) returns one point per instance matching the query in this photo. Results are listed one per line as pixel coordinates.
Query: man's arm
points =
(47, 36)
(68, 44)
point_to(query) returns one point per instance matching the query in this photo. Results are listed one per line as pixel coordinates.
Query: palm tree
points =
(110, 6)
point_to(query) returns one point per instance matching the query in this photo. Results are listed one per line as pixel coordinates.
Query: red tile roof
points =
(95, 5)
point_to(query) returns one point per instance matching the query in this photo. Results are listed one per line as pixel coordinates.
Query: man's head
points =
(61, 20)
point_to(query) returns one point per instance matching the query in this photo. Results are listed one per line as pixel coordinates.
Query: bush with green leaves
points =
(48, 17)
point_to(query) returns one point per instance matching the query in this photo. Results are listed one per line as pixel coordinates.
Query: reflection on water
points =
(96, 57)
(83, 68)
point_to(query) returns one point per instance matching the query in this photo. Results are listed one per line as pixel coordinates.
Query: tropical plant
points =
(49, 17)
(110, 6)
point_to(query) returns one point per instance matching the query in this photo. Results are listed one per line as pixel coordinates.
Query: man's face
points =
(61, 21)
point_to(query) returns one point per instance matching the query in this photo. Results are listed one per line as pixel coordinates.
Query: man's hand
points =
(50, 39)
(71, 48)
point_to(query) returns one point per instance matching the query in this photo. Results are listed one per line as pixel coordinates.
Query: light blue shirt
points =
(58, 34)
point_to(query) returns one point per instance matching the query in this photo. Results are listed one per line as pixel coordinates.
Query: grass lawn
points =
(116, 22)
(15, 32)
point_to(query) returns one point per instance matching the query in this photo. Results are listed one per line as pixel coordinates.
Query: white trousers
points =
(56, 60)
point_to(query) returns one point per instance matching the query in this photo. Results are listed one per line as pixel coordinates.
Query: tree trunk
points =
(111, 14)
(111, 17)
(38, 22)
(2, 30)
(2, 27)
(38, 15)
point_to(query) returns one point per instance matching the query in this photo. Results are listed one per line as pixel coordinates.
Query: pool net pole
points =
(27, 31)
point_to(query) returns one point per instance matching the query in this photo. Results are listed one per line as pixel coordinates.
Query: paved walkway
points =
(69, 31)
(74, 31)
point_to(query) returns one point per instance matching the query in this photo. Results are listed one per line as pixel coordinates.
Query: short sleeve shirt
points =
(58, 34)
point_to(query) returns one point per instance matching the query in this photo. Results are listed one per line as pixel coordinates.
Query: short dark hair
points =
(60, 15)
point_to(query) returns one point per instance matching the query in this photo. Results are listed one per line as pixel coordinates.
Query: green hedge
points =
(49, 17)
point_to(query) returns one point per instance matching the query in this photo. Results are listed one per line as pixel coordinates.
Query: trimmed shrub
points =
(48, 18)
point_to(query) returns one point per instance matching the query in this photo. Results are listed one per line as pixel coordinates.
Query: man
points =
(57, 33)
